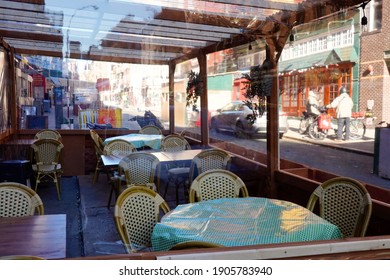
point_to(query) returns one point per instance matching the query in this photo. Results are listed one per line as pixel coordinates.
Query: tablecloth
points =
(241, 221)
(139, 140)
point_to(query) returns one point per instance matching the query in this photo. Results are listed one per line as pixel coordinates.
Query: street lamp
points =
(67, 55)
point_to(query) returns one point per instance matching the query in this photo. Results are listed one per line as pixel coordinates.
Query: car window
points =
(240, 107)
(228, 107)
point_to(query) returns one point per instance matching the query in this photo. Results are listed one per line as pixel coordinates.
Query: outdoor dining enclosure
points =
(268, 25)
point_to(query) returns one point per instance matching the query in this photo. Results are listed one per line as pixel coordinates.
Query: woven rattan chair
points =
(119, 148)
(208, 160)
(47, 166)
(137, 210)
(98, 145)
(150, 129)
(137, 169)
(17, 200)
(217, 183)
(195, 245)
(345, 203)
(174, 143)
(177, 174)
(21, 257)
(48, 134)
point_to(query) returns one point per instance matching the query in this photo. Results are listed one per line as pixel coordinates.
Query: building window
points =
(374, 15)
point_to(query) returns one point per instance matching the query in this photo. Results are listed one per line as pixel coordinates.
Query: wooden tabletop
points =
(41, 235)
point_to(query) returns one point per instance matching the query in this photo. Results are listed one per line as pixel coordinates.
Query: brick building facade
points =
(375, 60)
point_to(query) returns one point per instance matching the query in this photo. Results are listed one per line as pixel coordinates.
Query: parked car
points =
(233, 118)
(148, 119)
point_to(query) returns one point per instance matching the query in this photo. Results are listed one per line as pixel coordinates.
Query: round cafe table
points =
(239, 222)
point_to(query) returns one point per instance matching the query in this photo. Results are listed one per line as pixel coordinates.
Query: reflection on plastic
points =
(107, 248)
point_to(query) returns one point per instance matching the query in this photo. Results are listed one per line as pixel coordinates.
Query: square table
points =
(164, 157)
(41, 235)
(139, 140)
(241, 222)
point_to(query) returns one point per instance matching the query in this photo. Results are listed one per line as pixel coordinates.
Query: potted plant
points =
(194, 90)
(257, 87)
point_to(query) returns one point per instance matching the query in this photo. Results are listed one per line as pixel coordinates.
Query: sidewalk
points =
(362, 146)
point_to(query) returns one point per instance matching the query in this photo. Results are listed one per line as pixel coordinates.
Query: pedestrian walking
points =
(343, 104)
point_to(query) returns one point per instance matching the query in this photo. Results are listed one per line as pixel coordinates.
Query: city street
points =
(353, 158)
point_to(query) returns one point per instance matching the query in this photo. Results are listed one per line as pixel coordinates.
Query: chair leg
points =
(57, 186)
(37, 181)
(97, 171)
(110, 197)
(115, 187)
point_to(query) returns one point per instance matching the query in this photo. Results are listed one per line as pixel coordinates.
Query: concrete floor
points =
(100, 235)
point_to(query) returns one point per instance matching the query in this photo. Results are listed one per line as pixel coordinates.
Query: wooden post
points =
(171, 97)
(273, 151)
(204, 111)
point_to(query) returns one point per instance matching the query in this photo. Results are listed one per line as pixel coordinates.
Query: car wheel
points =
(240, 130)
(281, 135)
(213, 125)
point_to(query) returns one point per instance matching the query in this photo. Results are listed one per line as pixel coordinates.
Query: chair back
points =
(21, 257)
(139, 169)
(217, 183)
(97, 141)
(18, 200)
(47, 152)
(119, 147)
(48, 134)
(208, 160)
(345, 203)
(174, 143)
(150, 129)
(137, 210)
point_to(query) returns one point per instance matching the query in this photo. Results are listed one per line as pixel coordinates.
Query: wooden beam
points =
(171, 87)
(204, 123)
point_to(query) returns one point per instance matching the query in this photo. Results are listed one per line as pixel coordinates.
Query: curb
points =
(332, 145)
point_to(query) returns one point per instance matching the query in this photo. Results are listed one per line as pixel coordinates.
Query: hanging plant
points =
(258, 86)
(194, 90)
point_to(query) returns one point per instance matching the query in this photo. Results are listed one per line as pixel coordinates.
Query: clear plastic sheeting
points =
(240, 222)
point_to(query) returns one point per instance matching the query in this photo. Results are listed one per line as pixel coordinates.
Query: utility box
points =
(382, 152)
(18, 171)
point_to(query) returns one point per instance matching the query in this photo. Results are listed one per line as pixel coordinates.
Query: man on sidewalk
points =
(343, 104)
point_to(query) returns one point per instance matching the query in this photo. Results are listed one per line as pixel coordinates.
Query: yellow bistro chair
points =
(120, 148)
(21, 257)
(137, 169)
(177, 174)
(48, 134)
(217, 183)
(98, 146)
(150, 129)
(137, 210)
(345, 203)
(18, 200)
(47, 166)
(208, 160)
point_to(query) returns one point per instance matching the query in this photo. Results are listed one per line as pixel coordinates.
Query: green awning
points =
(318, 60)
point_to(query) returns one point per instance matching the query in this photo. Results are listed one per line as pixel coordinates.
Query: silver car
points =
(233, 118)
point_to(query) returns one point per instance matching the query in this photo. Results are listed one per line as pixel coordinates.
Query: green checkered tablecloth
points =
(241, 221)
(139, 140)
